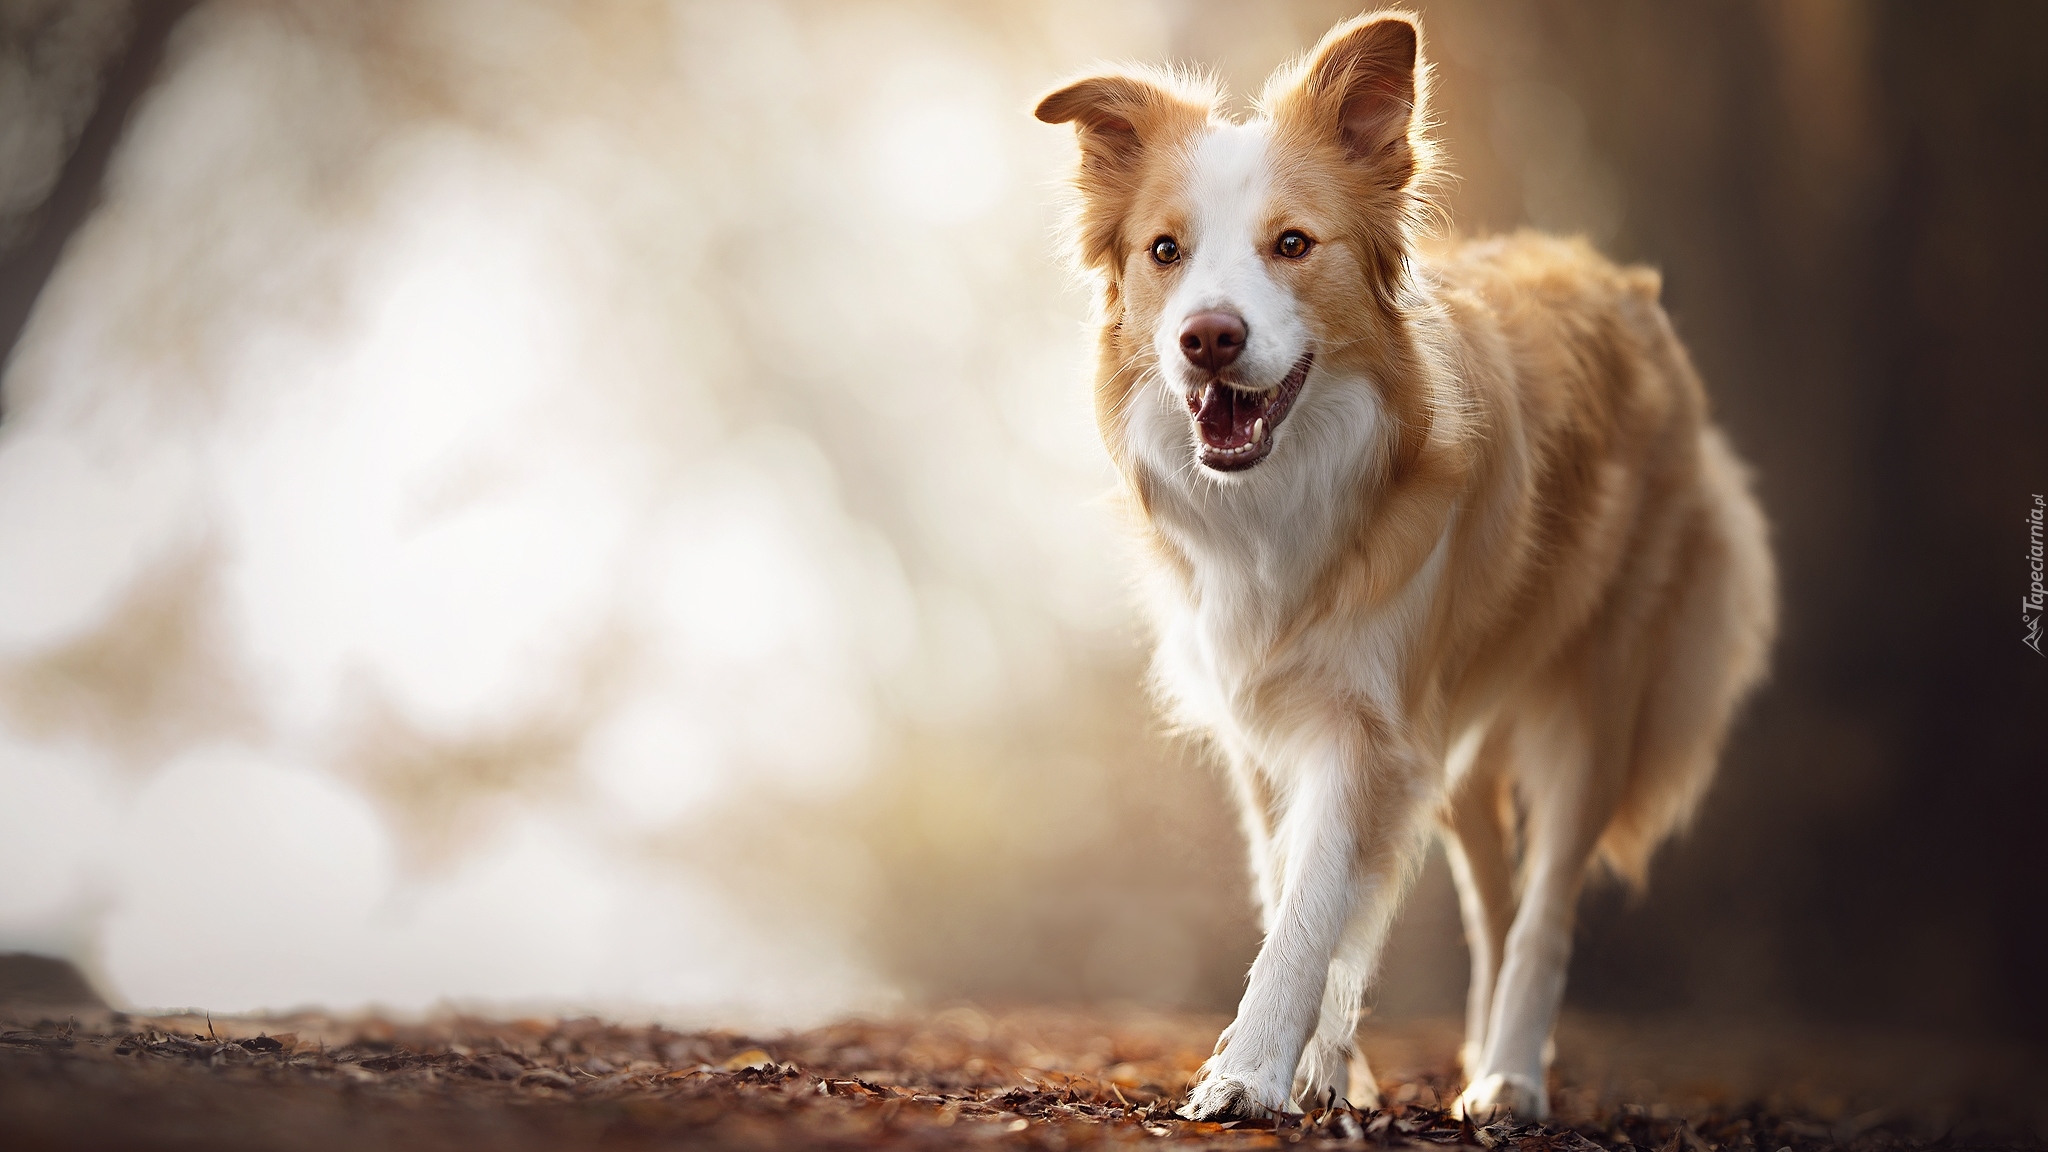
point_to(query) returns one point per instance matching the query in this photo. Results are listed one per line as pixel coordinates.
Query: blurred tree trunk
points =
(26, 265)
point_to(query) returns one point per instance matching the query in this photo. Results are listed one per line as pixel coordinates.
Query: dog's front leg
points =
(1252, 1072)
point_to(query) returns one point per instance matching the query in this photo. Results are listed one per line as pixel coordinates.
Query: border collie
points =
(1438, 540)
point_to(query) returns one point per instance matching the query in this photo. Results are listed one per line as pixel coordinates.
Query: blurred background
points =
(594, 505)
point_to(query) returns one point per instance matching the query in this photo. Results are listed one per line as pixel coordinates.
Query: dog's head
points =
(1243, 263)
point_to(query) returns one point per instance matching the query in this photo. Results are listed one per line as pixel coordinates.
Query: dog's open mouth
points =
(1235, 426)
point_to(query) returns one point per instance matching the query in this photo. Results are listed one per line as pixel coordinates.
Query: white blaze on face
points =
(1224, 260)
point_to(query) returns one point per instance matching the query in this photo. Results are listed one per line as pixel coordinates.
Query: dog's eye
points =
(1165, 250)
(1293, 245)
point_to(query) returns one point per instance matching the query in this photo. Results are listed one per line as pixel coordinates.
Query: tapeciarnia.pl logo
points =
(2032, 603)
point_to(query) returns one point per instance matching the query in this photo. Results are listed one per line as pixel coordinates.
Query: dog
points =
(1435, 539)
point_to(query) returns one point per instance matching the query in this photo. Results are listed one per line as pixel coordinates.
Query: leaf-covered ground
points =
(960, 1077)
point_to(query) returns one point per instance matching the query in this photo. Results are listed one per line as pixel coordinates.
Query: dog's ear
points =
(1364, 86)
(1120, 117)
(1106, 110)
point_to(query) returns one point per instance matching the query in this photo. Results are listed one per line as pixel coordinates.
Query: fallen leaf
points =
(751, 1058)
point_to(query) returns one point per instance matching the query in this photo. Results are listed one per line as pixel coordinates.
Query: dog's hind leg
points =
(1570, 787)
(1481, 863)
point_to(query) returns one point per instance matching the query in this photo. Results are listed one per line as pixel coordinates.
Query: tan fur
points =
(1603, 594)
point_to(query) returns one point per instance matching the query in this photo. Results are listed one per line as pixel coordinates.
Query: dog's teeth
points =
(1259, 430)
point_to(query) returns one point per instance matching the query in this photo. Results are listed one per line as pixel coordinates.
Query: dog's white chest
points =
(1242, 628)
(1218, 643)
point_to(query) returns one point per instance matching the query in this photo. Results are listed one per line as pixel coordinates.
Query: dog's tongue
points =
(1226, 416)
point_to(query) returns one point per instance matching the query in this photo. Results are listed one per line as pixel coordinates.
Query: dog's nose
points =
(1212, 340)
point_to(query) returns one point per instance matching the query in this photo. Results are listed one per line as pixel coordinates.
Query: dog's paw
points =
(1503, 1094)
(1363, 1090)
(1321, 1077)
(1222, 1098)
(1334, 1075)
(1312, 1092)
